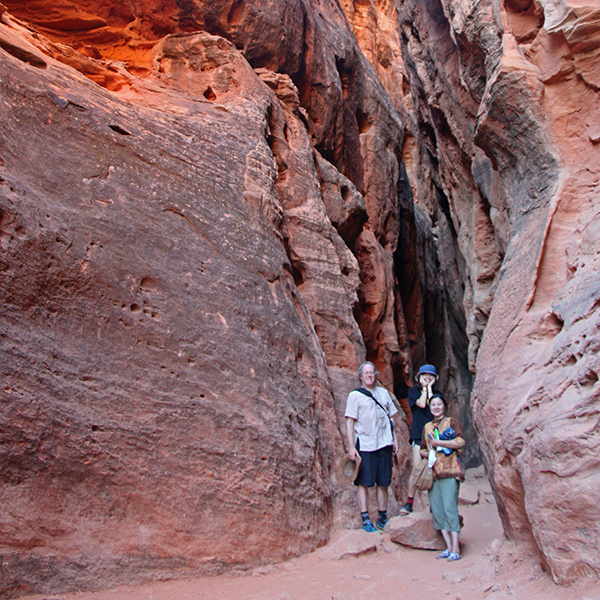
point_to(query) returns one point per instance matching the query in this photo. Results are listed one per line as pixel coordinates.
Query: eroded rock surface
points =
(212, 212)
(161, 372)
(181, 313)
(506, 107)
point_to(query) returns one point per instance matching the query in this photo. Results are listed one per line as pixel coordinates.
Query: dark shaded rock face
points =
(212, 212)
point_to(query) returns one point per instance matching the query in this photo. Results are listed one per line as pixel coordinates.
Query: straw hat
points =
(348, 469)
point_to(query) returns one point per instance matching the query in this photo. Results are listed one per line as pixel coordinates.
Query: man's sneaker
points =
(380, 524)
(453, 556)
(406, 509)
(445, 554)
(368, 527)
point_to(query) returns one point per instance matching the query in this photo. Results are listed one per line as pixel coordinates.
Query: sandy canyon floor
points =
(491, 568)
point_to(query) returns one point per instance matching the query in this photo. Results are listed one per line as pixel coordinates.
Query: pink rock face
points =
(507, 106)
(546, 322)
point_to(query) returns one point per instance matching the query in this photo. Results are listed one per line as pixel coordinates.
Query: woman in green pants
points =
(442, 442)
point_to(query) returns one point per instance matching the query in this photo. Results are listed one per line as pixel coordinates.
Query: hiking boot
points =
(368, 527)
(380, 524)
(406, 509)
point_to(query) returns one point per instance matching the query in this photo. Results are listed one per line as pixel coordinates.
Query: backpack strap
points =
(366, 392)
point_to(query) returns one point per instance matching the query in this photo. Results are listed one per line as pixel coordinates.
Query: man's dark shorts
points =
(376, 468)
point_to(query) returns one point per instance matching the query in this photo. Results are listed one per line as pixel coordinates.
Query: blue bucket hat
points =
(428, 369)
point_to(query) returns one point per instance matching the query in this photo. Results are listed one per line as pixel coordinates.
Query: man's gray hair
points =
(367, 363)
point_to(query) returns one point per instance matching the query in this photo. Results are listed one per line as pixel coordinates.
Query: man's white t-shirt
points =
(372, 425)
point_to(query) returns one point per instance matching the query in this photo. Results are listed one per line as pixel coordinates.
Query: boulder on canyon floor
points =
(416, 530)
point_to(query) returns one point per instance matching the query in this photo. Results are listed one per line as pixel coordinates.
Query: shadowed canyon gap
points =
(212, 212)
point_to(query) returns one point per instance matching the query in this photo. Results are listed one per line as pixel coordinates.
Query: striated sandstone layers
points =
(506, 118)
(204, 215)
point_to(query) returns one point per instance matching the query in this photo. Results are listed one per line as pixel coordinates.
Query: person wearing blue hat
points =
(419, 398)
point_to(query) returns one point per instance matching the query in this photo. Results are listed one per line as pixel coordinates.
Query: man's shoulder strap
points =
(366, 392)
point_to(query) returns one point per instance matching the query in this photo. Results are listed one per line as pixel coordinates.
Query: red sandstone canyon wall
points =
(212, 212)
(200, 223)
(506, 115)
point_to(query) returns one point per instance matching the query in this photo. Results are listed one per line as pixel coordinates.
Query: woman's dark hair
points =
(441, 397)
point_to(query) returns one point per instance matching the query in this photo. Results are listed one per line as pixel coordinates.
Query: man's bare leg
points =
(363, 497)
